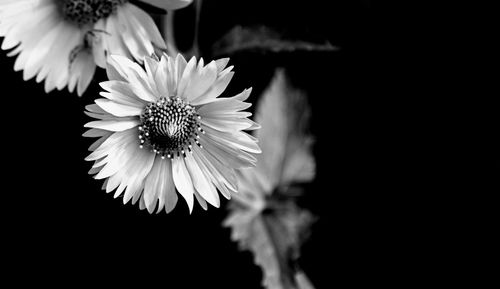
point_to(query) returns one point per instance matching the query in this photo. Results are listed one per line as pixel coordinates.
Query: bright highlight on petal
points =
(62, 41)
(155, 142)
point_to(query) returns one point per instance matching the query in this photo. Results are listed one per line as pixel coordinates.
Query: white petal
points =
(231, 156)
(141, 169)
(87, 72)
(121, 92)
(168, 195)
(112, 37)
(37, 58)
(222, 106)
(101, 162)
(95, 108)
(137, 44)
(183, 181)
(114, 181)
(239, 140)
(151, 187)
(201, 79)
(113, 125)
(201, 183)
(221, 64)
(159, 186)
(161, 78)
(118, 109)
(58, 73)
(113, 140)
(184, 80)
(98, 45)
(146, 26)
(126, 67)
(98, 142)
(135, 75)
(28, 45)
(116, 159)
(175, 71)
(101, 116)
(217, 89)
(243, 95)
(200, 200)
(142, 205)
(132, 174)
(138, 194)
(94, 171)
(95, 133)
(229, 124)
(151, 66)
(112, 72)
(223, 177)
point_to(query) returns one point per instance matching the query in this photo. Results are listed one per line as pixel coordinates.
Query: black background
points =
(60, 228)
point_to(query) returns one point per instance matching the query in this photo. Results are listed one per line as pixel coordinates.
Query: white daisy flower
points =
(165, 128)
(62, 41)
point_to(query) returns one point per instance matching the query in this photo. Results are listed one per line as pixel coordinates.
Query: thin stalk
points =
(196, 48)
(168, 28)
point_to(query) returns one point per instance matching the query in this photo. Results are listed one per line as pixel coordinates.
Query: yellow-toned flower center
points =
(169, 127)
(84, 12)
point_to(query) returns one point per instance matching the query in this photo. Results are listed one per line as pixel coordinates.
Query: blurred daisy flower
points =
(62, 41)
(164, 128)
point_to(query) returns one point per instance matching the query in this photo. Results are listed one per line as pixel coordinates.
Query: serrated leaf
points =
(264, 217)
(284, 114)
(264, 39)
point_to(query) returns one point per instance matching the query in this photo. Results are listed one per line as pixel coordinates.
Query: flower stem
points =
(196, 48)
(168, 28)
(169, 32)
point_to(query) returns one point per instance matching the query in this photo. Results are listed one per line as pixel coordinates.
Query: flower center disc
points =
(84, 12)
(169, 126)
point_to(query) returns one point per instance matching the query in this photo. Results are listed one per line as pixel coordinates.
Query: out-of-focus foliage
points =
(264, 217)
(264, 39)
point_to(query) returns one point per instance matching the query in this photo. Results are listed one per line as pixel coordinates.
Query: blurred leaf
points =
(264, 217)
(264, 39)
(274, 237)
(283, 113)
(302, 281)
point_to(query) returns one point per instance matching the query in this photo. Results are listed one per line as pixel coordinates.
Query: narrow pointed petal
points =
(201, 183)
(113, 125)
(200, 200)
(183, 181)
(118, 109)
